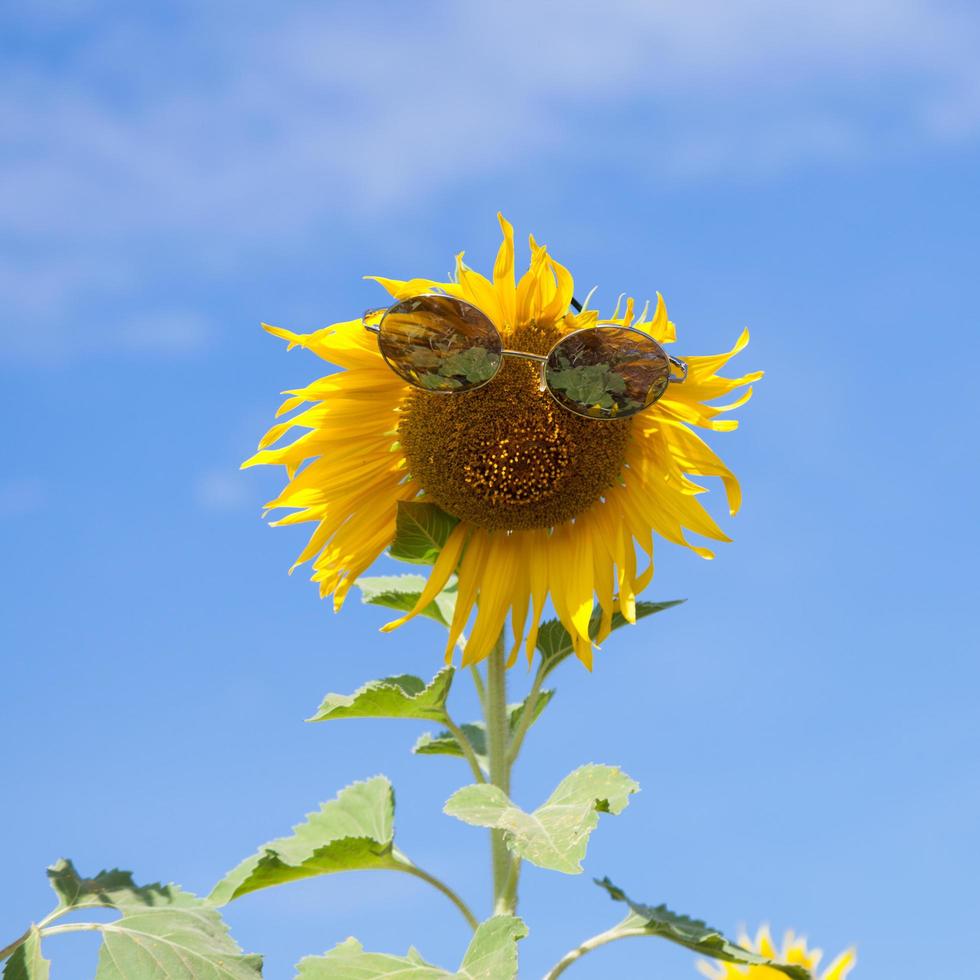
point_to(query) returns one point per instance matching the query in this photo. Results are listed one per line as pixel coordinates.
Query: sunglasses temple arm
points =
(370, 315)
(576, 305)
(681, 365)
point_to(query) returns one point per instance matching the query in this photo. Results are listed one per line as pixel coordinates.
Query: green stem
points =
(467, 747)
(610, 935)
(447, 891)
(77, 927)
(517, 739)
(45, 927)
(509, 900)
(497, 738)
(42, 925)
(58, 913)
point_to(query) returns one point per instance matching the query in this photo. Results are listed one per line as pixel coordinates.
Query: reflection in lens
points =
(607, 372)
(440, 343)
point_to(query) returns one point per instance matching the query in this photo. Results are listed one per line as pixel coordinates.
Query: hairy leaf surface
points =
(349, 961)
(353, 831)
(160, 943)
(492, 951)
(163, 932)
(556, 834)
(405, 696)
(402, 592)
(491, 955)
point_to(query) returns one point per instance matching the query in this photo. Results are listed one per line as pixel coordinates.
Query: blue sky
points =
(804, 728)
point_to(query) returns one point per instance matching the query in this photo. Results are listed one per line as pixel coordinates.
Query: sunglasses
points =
(445, 345)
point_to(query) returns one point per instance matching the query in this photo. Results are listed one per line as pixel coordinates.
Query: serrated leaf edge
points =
(387, 683)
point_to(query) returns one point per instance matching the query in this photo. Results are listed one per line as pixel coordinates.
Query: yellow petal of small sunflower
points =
(794, 951)
(552, 506)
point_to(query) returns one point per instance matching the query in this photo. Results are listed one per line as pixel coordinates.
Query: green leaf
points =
(556, 835)
(164, 933)
(555, 643)
(26, 962)
(161, 943)
(421, 530)
(404, 696)
(444, 742)
(692, 933)
(353, 831)
(492, 952)
(348, 961)
(491, 955)
(402, 592)
(109, 889)
(516, 711)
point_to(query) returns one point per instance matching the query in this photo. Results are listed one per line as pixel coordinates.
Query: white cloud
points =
(279, 117)
(956, 115)
(41, 327)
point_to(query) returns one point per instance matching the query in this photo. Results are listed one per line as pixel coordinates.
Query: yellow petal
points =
(539, 584)
(503, 277)
(496, 585)
(444, 566)
(470, 574)
(843, 965)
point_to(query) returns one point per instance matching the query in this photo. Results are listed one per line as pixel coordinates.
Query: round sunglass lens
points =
(440, 343)
(607, 372)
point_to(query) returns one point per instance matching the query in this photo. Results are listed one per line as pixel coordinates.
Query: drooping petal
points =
(537, 558)
(443, 568)
(470, 575)
(496, 595)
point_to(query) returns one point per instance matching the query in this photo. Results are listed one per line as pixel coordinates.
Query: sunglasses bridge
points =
(538, 358)
(527, 355)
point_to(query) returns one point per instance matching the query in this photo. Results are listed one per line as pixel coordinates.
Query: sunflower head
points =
(548, 505)
(794, 952)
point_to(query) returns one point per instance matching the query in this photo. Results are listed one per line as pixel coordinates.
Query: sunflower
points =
(794, 952)
(549, 504)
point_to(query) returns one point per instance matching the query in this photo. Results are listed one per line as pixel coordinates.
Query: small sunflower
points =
(549, 504)
(794, 952)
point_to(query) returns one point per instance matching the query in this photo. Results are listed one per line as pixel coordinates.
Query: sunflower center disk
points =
(507, 456)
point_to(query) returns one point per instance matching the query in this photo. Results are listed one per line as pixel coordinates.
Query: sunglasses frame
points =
(540, 359)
